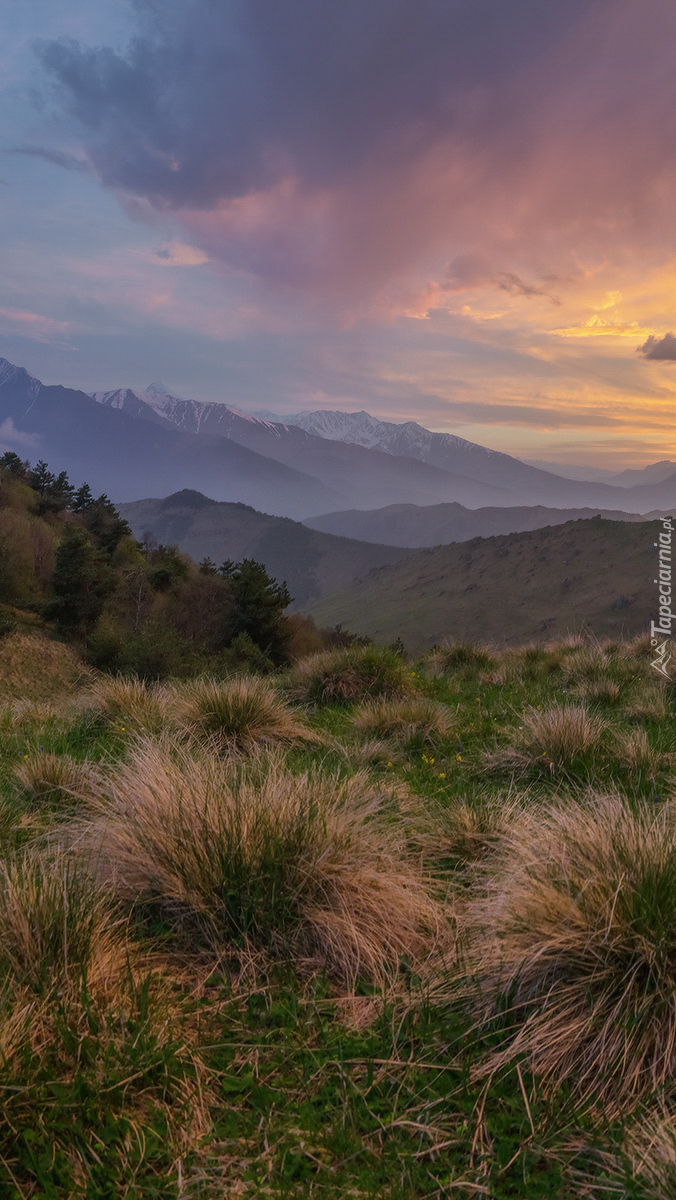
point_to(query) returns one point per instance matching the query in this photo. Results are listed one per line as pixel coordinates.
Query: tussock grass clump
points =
(415, 720)
(519, 664)
(640, 647)
(34, 668)
(309, 866)
(356, 673)
(147, 707)
(240, 712)
(54, 778)
(554, 739)
(467, 830)
(455, 655)
(647, 702)
(633, 750)
(601, 690)
(576, 933)
(55, 929)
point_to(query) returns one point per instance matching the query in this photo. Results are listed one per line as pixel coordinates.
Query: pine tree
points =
(80, 583)
(257, 609)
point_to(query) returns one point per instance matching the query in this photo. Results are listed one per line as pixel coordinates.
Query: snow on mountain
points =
(361, 429)
(9, 373)
(192, 416)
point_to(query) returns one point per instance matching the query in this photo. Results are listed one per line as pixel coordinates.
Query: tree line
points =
(68, 559)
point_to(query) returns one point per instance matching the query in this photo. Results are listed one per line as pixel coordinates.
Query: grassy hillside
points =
(368, 928)
(314, 564)
(596, 573)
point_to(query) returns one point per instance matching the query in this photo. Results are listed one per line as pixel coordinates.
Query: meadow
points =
(364, 927)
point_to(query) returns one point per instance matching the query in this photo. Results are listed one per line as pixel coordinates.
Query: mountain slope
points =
(454, 454)
(437, 524)
(312, 563)
(128, 458)
(369, 477)
(509, 589)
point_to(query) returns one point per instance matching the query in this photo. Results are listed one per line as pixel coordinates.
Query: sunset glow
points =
(395, 208)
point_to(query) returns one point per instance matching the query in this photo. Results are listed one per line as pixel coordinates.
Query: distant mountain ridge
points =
(473, 468)
(366, 476)
(131, 443)
(439, 524)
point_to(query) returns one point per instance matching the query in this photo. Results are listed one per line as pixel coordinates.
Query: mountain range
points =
(313, 564)
(533, 585)
(439, 524)
(134, 444)
(340, 447)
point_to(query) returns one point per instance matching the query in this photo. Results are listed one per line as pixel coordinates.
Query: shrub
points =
(576, 933)
(307, 865)
(415, 720)
(240, 712)
(355, 673)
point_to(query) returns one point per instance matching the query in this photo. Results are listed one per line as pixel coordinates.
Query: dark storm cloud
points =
(660, 348)
(342, 147)
(220, 97)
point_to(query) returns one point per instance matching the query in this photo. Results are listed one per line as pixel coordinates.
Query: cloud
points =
(14, 439)
(336, 148)
(659, 348)
(175, 254)
(32, 325)
(60, 158)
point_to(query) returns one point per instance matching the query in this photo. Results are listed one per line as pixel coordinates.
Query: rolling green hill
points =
(509, 588)
(313, 563)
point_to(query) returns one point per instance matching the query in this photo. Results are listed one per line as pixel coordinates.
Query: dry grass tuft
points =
(466, 831)
(640, 647)
(415, 720)
(554, 739)
(376, 752)
(310, 866)
(648, 702)
(576, 932)
(633, 750)
(601, 690)
(55, 929)
(357, 673)
(147, 707)
(34, 668)
(240, 713)
(55, 777)
(456, 655)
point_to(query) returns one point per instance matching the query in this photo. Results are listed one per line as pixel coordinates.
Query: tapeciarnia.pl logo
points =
(660, 631)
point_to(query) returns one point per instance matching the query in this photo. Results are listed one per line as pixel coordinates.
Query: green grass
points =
(198, 1077)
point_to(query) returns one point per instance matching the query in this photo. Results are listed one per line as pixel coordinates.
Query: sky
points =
(459, 212)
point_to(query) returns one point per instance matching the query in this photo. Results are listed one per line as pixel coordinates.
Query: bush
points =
(356, 673)
(310, 866)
